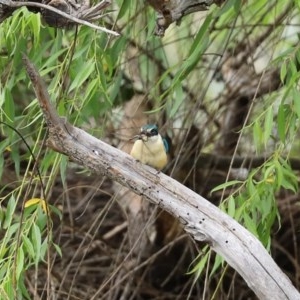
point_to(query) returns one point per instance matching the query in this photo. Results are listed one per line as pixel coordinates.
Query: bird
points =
(150, 148)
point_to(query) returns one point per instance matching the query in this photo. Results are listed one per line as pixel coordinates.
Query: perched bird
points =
(150, 148)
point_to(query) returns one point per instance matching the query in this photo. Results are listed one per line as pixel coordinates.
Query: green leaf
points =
(178, 100)
(125, 7)
(15, 155)
(12, 229)
(250, 224)
(257, 135)
(237, 5)
(20, 263)
(266, 205)
(116, 50)
(36, 242)
(35, 24)
(56, 211)
(196, 51)
(227, 6)
(10, 209)
(8, 288)
(28, 247)
(298, 53)
(44, 249)
(296, 101)
(9, 105)
(63, 167)
(268, 125)
(50, 63)
(1, 172)
(3, 270)
(283, 72)
(58, 249)
(251, 188)
(292, 75)
(226, 185)
(289, 178)
(23, 289)
(217, 263)
(196, 47)
(279, 174)
(200, 265)
(231, 206)
(281, 120)
(82, 75)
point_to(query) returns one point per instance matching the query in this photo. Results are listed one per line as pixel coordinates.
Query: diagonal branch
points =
(200, 218)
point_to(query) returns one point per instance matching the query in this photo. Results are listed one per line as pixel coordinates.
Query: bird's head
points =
(149, 132)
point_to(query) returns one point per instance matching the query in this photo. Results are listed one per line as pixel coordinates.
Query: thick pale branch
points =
(200, 218)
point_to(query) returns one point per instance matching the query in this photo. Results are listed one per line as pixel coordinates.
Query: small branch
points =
(200, 218)
(172, 11)
(14, 4)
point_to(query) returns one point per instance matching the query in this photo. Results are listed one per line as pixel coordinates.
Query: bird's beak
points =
(144, 136)
(141, 136)
(136, 137)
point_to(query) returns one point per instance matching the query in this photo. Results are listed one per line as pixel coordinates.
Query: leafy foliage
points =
(90, 75)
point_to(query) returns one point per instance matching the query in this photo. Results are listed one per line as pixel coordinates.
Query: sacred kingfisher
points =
(150, 148)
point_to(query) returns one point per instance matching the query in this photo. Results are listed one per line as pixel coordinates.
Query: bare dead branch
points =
(200, 218)
(67, 12)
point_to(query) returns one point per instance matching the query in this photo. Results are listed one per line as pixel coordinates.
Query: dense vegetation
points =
(223, 86)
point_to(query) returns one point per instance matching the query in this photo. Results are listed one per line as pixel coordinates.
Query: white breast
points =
(152, 152)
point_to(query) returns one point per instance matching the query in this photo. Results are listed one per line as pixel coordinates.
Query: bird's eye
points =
(154, 131)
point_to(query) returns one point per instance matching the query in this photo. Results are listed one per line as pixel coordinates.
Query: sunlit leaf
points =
(35, 201)
(32, 201)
